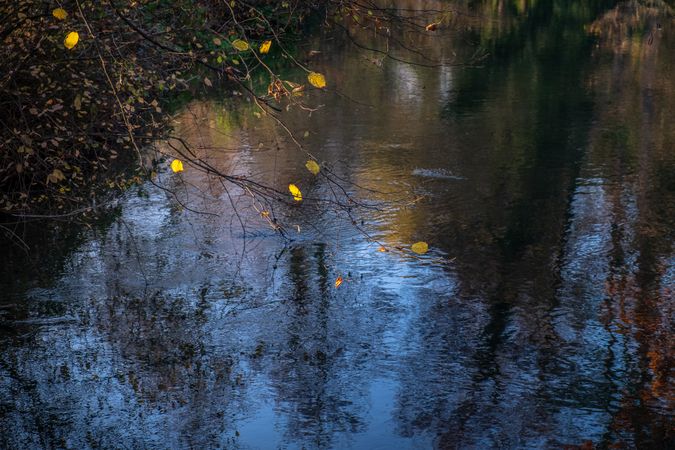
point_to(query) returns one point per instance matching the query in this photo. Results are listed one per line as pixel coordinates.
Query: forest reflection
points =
(543, 173)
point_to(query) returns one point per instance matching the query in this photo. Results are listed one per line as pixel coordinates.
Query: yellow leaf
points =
(55, 176)
(381, 249)
(295, 192)
(297, 91)
(316, 79)
(432, 26)
(240, 45)
(420, 247)
(177, 165)
(338, 282)
(60, 13)
(71, 40)
(265, 47)
(313, 167)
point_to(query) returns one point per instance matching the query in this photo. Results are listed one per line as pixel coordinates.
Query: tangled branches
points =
(77, 115)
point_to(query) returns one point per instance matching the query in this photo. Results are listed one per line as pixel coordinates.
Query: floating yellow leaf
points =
(313, 167)
(381, 249)
(177, 165)
(316, 79)
(240, 45)
(265, 47)
(60, 13)
(338, 282)
(432, 26)
(71, 40)
(295, 192)
(420, 247)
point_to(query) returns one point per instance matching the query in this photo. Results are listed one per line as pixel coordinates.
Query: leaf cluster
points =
(83, 85)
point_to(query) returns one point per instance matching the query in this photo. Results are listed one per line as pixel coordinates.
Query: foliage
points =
(84, 84)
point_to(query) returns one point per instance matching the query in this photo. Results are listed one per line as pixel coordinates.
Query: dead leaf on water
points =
(420, 247)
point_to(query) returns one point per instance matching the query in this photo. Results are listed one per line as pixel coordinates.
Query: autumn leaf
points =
(316, 79)
(313, 167)
(240, 45)
(71, 40)
(60, 13)
(265, 47)
(297, 91)
(177, 165)
(420, 247)
(432, 26)
(338, 282)
(382, 249)
(55, 176)
(295, 192)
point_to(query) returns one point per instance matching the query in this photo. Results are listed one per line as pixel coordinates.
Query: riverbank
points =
(86, 88)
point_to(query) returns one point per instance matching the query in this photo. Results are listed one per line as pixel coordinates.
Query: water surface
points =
(543, 178)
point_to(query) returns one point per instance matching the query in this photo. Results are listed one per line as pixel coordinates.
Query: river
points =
(537, 162)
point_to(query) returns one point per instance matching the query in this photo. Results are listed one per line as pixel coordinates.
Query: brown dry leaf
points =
(55, 176)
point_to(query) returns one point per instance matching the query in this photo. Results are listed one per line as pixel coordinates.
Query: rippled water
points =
(543, 179)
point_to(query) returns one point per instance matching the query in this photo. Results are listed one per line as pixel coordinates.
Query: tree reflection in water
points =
(551, 326)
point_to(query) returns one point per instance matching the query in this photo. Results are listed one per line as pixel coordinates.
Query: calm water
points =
(543, 180)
